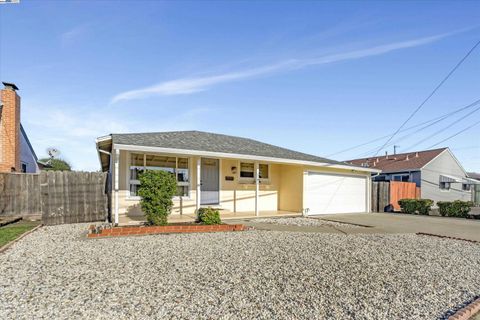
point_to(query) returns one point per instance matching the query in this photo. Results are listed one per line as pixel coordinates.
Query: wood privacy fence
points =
(385, 194)
(59, 197)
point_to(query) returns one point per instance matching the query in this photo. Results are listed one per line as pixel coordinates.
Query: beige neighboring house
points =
(16, 152)
(234, 174)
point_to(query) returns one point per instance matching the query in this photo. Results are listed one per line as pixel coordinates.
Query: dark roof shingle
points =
(213, 142)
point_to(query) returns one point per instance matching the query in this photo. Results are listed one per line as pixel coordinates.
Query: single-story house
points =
(233, 174)
(437, 173)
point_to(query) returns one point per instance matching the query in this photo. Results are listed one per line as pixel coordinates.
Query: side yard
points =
(12, 231)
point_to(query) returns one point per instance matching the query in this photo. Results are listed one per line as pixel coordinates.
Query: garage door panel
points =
(328, 193)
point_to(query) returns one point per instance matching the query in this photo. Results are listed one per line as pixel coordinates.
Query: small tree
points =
(157, 189)
(56, 164)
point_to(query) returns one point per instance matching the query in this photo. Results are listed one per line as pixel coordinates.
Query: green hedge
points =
(157, 189)
(457, 208)
(416, 206)
(208, 216)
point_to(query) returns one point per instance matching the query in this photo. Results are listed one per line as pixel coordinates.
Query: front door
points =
(209, 177)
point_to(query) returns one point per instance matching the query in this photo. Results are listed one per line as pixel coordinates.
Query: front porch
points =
(224, 215)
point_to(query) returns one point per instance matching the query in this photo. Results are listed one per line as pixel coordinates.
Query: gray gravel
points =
(304, 222)
(56, 273)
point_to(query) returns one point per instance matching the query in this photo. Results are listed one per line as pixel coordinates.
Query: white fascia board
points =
(175, 151)
(104, 138)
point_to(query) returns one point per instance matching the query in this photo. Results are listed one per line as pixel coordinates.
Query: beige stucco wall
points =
(283, 191)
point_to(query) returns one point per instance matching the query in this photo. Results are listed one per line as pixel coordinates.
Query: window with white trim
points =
(401, 177)
(247, 172)
(466, 187)
(176, 165)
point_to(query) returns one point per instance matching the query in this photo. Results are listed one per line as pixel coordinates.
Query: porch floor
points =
(178, 218)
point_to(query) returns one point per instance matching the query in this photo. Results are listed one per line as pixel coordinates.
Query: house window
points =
(176, 166)
(263, 171)
(24, 167)
(247, 170)
(401, 177)
(466, 187)
(445, 185)
(137, 165)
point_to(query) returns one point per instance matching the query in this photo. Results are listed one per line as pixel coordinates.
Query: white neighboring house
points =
(437, 172)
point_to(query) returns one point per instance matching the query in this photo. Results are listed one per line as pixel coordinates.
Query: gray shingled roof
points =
(213, 142)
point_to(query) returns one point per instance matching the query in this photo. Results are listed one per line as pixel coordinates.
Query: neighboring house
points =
(476, 189)
(437, 172)
(232, 173)
(16, 152)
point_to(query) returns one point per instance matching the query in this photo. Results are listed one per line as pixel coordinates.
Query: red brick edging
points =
(466, 312)
(127, 231)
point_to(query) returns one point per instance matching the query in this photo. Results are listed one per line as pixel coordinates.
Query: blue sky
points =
(317, 77)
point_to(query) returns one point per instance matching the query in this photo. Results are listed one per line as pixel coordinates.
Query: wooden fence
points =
(59, 197)
(385, 194)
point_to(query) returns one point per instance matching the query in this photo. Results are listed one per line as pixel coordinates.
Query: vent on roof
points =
(416, 154)
(406, 159)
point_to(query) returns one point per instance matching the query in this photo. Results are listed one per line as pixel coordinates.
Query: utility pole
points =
(395, 149)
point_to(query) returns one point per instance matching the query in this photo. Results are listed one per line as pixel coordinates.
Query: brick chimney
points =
(9, 128)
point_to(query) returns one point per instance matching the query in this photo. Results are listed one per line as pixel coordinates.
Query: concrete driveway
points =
(405, 223)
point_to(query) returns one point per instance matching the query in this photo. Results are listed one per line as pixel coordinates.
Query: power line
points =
(454, 135)
(429, 122)
(440, 131)
(429, 96)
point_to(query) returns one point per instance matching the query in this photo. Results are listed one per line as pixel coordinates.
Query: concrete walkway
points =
(385, 223)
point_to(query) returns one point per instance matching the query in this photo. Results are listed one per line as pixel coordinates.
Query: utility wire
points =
(429, 96)
(424, 125)
(454, 135)
(443, 129)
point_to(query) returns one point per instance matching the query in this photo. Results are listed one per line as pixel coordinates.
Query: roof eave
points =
(239, 156)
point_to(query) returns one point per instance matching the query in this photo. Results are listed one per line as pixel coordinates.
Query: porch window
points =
(247, 170)
(175, 165)
(136, 167)
(263, 171)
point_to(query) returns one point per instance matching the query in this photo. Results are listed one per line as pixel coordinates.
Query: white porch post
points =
(257, 182)
(198, 196)
(117, 157)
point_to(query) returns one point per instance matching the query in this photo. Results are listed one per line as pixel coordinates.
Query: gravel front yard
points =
(304, 222)
(57, 273)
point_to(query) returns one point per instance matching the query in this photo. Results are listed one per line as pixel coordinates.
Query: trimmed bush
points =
(416, 206)
(408, 205)
(457, 208)
(443, 207)
(209, 216)
(157, 189)
(424, 206)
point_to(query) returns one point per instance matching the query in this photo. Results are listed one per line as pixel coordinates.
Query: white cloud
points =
(74, 33)
(197, 84)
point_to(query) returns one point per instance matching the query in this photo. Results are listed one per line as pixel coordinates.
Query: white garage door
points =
(332, 193)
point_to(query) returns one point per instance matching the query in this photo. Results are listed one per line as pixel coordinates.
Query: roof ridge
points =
(397, 154)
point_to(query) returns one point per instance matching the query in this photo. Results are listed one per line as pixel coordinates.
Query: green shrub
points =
(408, 205)
(457, 208)
(209, 216)
(443, 207)
(157, 189)
(415, 206)
(424, 206)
